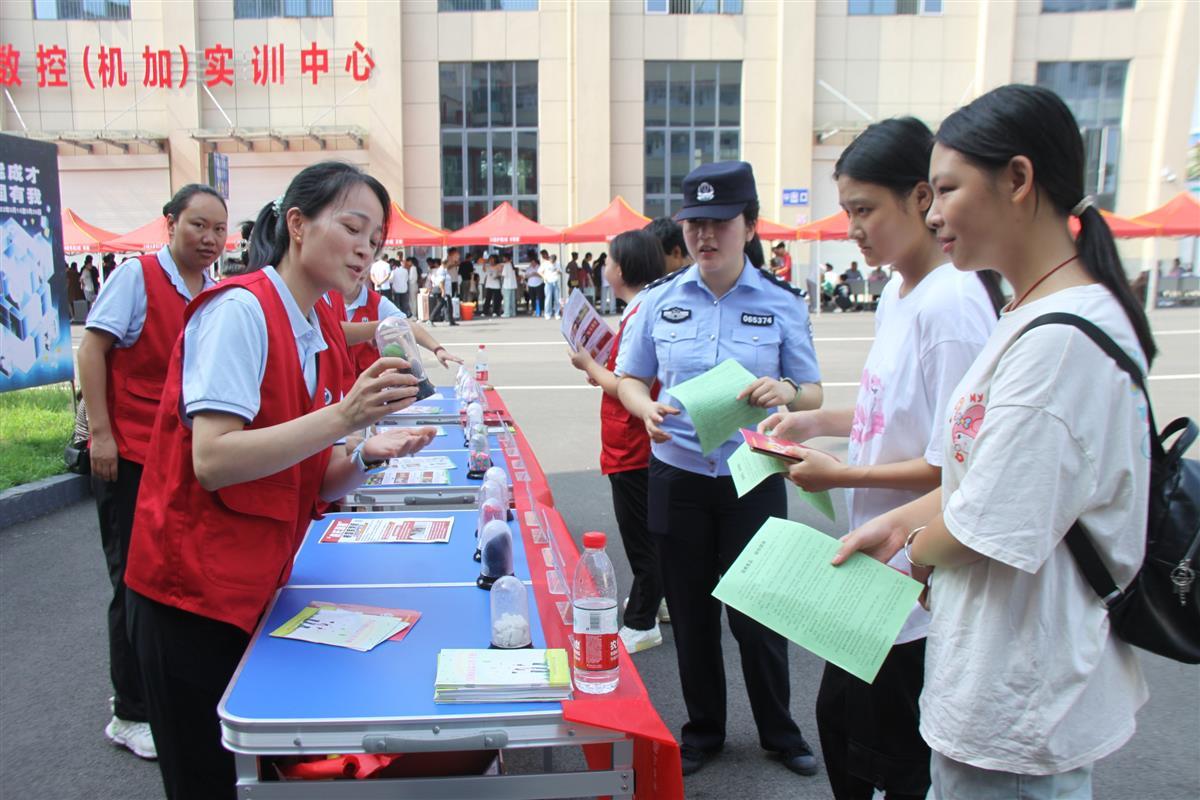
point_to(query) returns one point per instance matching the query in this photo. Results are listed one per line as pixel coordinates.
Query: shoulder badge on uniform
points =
(670, 276)
(782, 284)
(676, 314)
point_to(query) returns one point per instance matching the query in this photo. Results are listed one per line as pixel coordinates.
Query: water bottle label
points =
(481, 375)
(595, 651)
(595, 645)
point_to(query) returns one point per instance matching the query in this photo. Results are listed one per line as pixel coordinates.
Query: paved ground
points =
(53, 656)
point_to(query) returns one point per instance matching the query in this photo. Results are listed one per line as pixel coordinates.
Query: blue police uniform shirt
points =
(682, 330)
(386, 307)
(225, 351)
(120, 310)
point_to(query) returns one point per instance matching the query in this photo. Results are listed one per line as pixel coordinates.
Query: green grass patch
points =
(35, 425)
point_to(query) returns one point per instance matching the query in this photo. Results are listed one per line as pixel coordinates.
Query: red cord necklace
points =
(1039, 282)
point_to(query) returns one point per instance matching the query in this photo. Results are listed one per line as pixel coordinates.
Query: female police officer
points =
(718, 308)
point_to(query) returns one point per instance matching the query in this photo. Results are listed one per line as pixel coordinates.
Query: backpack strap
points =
(1077, 540)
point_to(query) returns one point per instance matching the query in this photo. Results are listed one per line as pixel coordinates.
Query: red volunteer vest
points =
(624, 443)
(332, 315)
(222, 554)
(365, 354)
(136, 374)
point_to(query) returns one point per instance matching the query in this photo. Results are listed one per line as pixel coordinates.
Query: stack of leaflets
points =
(356, 627)
(502, 676)
(379, 530)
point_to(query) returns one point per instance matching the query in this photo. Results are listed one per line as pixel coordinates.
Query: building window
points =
(1095, 93)
(693, 116)
(694, 6)
(489, 117)
(487, 5)
(885, 8)
(81, 9)
(1069, 6)
(261, 9)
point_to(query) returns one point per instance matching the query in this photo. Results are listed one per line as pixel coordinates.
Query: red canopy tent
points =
(612, 221)
(82, 237)
(407, 230)
(153, 236)
(1180, 216)
(835, 226)
(773, 230)
(505, 226)
(1121, 227)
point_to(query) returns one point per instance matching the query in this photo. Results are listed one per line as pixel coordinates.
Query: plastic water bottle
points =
(597, 670)
(481, 365)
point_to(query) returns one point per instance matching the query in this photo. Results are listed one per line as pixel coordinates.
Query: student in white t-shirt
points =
(931, 322)
(1024, 681)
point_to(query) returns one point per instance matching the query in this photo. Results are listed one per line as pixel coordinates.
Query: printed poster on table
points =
(393, 476)
(583, 327)
(383, 531)
(35, 323)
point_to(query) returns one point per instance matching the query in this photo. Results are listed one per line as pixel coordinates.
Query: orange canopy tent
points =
(835, 226)
(612, 221)
(505, 226)
(403, 229)
(1180, 216)
(153, 236)
(1121, 227)
(767, 229)
(82, 237)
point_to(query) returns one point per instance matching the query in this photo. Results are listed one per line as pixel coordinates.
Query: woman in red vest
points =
(365, 307)
(122, 364)
(637, 259)
(242, 455)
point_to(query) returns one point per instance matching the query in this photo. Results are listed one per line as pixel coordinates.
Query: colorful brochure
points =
(379, 530)
(499, 676)
(583, 327)
(341, 627)
(391, 476)
(422, 463)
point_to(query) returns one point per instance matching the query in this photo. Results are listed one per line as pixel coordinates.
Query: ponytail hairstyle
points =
(1030, 121)
(180, 200)
(894, 153)
(311, 191)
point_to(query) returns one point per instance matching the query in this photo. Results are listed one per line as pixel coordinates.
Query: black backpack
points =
(1160, 609)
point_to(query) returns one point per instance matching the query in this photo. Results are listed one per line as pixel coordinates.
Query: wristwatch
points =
(356, 458)
(792, 384)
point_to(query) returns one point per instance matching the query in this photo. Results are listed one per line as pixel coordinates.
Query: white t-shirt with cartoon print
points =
(1022, 673)
(924, 343)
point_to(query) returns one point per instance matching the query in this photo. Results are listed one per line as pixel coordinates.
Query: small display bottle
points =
(394, 338)
(479, 459)
(510, 614)
(489, 509)
(495, 542)
(498, 476)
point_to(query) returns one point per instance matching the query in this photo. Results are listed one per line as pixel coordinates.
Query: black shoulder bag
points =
(1159, 610)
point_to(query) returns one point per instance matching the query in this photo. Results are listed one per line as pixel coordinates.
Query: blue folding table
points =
(291, 698)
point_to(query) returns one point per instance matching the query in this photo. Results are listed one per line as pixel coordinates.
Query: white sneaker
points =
(135, 736)
(635, 641)
(664, 614)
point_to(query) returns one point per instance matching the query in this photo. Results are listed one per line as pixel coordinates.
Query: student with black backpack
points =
(1025, 682)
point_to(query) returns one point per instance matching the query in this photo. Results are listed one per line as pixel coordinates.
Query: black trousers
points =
(868, 731)
(442, 305)
(187, 661)
(702, 527)
(115, 504)
(491, 302)
(629, 505)
(401, 302)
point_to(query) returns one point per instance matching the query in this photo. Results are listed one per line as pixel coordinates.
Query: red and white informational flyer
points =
(384, 531)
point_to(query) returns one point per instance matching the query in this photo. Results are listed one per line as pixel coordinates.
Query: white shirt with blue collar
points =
(225, 351)
(120, 310)
(386, 307)
(683, 330)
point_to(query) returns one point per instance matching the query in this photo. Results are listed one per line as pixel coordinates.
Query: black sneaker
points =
(693, 759)
(800, 760)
